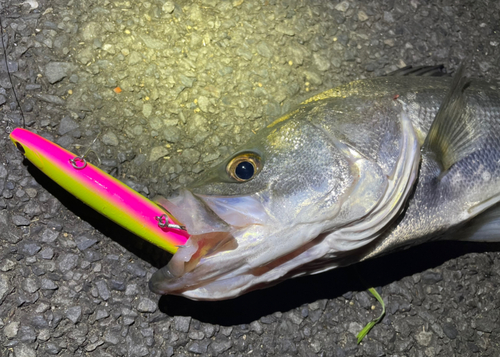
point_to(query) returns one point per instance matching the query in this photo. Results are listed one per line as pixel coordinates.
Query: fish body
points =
(355, 172)
(101, 191)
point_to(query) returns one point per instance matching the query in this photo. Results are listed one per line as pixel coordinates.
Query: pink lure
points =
(102, 192)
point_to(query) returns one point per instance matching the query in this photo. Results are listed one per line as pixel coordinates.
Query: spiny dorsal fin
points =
(420, 71)
(453, 134)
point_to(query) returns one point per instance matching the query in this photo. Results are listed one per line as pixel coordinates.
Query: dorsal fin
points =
(420, 71)
(453, 134)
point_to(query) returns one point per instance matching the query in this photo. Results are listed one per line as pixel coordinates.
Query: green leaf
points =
(372, 323)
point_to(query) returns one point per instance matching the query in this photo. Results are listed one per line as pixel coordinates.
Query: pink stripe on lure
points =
(101, 191)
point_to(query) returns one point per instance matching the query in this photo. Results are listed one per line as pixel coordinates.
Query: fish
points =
(358, 171)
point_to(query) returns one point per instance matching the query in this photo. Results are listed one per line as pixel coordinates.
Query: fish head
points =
(261, 214)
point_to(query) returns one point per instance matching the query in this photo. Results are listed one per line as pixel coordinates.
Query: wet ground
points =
(172, 87)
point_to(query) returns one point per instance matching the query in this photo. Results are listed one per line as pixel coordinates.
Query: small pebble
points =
(83, 242)
(147, 305)
(74, 313)
(24, 351)
(101, 314)
(67, 262)
(48, 284)
(20, 221)
(11, 329)
(103, 289)
(181, 323)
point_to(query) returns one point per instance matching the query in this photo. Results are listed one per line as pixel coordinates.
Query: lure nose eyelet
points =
(20, 147)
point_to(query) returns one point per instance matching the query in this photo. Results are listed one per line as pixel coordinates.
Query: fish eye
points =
(244, 167)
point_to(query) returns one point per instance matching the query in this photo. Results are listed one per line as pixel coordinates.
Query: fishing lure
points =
(102, 192)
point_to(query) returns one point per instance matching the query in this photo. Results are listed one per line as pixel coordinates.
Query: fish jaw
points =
(213, 225)
(222, 260)
(234, 268)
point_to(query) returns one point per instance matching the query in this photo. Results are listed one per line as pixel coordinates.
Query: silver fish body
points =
(354, 172)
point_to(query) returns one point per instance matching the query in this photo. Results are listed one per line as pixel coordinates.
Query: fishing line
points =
(8, 71)
(81, 158)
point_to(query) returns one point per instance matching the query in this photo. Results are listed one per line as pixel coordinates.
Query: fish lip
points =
(158, 279)
(179, 275)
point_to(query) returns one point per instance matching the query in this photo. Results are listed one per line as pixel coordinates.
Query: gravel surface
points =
(172, 87)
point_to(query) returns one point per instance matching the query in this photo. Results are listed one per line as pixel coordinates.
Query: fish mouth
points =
(208, 255)
(182, 274)
(222, 261)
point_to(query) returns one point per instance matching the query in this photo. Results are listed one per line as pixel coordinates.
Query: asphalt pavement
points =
(171, 88)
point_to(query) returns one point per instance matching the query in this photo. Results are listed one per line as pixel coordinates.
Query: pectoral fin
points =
(455, 133)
